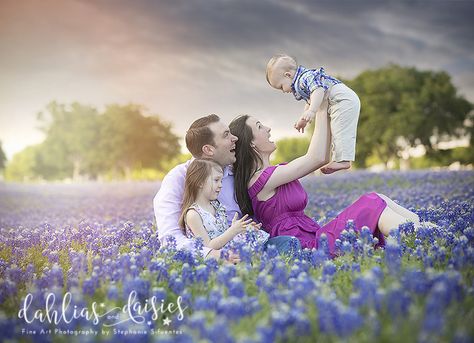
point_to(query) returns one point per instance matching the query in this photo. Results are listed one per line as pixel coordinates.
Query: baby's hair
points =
(198, 172)
(291, 64)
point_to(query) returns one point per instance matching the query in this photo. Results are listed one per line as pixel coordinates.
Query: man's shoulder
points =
(172, 181)
(178, 171)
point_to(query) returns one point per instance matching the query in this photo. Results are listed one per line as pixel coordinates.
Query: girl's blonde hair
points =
(198, 172)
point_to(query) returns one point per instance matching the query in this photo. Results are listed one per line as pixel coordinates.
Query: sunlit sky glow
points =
(185, 59)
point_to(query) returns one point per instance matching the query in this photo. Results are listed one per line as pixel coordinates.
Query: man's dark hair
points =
(199, 134)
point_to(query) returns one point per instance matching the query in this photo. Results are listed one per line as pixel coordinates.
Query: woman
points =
(275, 197)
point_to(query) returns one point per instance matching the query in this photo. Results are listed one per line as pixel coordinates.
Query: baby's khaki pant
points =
(344, 109)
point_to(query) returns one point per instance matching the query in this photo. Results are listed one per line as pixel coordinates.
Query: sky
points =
(185, 59)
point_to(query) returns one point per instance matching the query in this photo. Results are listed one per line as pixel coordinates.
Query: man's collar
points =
(228, 170)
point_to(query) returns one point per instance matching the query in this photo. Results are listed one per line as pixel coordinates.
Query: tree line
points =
(82, 142)
(401, 107)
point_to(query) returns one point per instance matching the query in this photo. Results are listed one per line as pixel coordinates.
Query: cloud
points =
(183, 59)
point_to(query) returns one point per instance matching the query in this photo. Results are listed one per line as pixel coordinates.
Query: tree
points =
(3, 158)
(71, 139)
(81, 142)
(24, 165)
(290, 148)
(131, 140)
(404, 107)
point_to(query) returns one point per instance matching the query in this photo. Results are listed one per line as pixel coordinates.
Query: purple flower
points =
(202, 273)
(89, 286)
(218, 332)
(198, 246)
(236, 288)
(112, 292)
(15, 274)
(329, 269)
(7, 289)
(176, 284)
(398, 302)
(393, 253)
(231, 307)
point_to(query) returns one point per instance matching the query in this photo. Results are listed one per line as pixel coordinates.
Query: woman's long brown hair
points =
(196, 175)
(246, 164)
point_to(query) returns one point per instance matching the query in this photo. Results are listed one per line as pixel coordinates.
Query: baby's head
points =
(280, 72)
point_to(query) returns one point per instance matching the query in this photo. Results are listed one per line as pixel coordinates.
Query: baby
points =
(316, 87)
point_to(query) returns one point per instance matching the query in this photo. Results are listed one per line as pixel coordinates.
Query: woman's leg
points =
(389, 220)
(401, 211)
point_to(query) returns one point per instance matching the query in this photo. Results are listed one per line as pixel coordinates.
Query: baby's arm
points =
(310, 109)
(316, 100)
(194, 223)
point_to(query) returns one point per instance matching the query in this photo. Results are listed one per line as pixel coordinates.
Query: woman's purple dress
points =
(283, 213)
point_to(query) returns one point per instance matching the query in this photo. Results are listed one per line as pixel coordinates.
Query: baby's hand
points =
(308, 115)
(300, 124)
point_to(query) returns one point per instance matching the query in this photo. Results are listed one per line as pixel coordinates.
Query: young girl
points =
(203, 215)
(320, 90)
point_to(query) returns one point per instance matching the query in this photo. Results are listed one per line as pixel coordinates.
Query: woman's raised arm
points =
(316, 156)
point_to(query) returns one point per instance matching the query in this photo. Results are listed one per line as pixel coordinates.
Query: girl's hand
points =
(240, 225)
(254, 226)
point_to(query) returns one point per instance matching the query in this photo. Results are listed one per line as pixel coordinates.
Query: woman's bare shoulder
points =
(254, 178)
(259, 172)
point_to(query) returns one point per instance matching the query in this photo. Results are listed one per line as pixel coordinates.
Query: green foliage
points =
(132, 140)
(81, 142)
(290, 148)
(71, 138)
(405, 107)
(464, 155)
(25, 165)
(3, 158)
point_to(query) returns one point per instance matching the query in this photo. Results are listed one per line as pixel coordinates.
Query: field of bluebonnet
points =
(83, 263)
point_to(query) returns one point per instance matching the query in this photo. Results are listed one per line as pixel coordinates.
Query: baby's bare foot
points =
(335, 166)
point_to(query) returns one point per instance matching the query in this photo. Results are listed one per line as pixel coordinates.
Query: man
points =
(207, 137)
